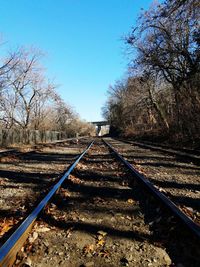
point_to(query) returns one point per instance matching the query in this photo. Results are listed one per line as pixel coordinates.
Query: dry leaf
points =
(101, 242)
(43, 229)
(104, 253)
(102, 233)
(69, 231)
(4, 228)
(64, 192)
(74, 179)
(130, 201)
(81, 166)
(8, 159)
(88, 249)
(28, 262)
(6, 225)
(2, 182)
(33, 237)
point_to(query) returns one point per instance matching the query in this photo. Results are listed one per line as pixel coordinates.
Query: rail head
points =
(11, 247)
(195, 228)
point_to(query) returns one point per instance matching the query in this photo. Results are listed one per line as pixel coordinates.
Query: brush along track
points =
(101, 217)
(25, 176)
(178, 180)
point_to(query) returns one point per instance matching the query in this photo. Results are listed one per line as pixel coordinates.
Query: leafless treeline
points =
(29, 101)
(162, 92)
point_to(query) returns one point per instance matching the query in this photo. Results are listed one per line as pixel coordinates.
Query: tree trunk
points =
(158, 109)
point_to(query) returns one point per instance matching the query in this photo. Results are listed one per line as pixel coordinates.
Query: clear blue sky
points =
(82, 42)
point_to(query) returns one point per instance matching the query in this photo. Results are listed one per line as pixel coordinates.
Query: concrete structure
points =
(102, 127)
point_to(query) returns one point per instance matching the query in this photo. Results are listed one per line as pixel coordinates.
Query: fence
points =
(16, 136)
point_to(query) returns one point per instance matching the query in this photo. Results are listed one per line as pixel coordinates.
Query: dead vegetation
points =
(161, 95)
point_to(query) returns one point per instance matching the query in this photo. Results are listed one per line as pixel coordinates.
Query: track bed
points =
(26, 175)
(178, 178)
(102, 217)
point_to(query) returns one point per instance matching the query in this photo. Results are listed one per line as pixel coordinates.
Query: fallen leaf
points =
(130, 201)
(28, 262)
(33, 237)
(6, 225)
(64, 193)
(11, 158)
(81, 166)
(104, 253)
(4, 228)
(101, 242)
(88, 249)
(102, 233)
(69, 231)
(43, 229)
(74, 179)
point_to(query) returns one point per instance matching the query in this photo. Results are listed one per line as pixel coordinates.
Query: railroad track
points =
(194, 227)
(17, 152)
(192, 155)
(10, 248)
(26, 175)
(189, 151)
(93, 195)
(176, 178)
(28, 171)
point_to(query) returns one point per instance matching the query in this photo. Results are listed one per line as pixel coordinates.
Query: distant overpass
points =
(102, 127)
(100, 123)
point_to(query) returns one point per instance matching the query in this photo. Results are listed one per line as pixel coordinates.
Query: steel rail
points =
(7, 152)
(4, 153)
(168, 150)
(188, 151)
(195, 228)
(16, 152)
(60, 141)
(9, 249)
(192, 157)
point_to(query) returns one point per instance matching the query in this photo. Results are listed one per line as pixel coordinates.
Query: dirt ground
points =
(101, 217)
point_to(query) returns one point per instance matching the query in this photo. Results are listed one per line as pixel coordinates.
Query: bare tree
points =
(22, 86)
(167, 42)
